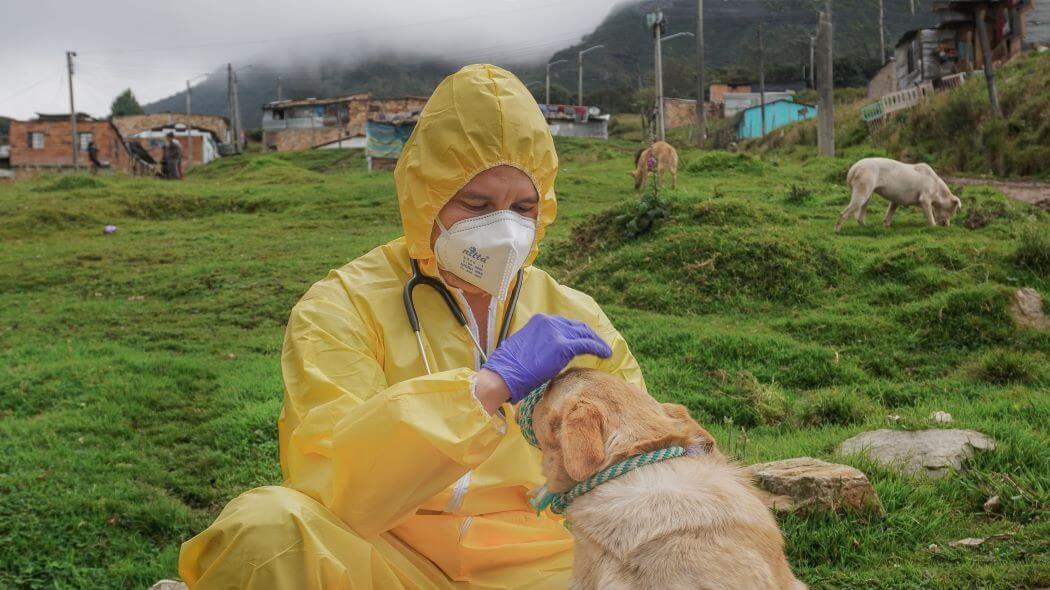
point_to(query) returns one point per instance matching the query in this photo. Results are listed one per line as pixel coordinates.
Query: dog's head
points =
(588, 420)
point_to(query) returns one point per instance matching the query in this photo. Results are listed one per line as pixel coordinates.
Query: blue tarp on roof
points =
(385, 140)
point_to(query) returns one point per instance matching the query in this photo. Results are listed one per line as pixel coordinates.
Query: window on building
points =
(85, 140)
(36, 140)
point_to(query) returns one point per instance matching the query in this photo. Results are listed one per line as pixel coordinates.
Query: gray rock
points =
(930, 452)
(809, 485)
(942, 417)
(1027, 310)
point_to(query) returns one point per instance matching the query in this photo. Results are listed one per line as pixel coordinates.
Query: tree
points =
(125, 104)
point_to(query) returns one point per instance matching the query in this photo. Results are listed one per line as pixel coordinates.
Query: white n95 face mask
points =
(486, 251)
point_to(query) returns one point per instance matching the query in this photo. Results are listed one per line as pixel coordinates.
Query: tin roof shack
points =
(45, 143)
(778, 113)
(953, 46)
(576, 121)
(300, 124)
(736, 102)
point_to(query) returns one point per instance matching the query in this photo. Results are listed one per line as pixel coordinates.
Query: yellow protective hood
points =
(478, 118)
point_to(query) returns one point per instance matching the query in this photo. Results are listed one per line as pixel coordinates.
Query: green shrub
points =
(798, 195)
(1004, 366)
(756, 403)
(983, 206)
(835, 407)
(1033, 250)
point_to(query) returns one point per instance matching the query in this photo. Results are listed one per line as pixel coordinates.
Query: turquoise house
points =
(778, 113)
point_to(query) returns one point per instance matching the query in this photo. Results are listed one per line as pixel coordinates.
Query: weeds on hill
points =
(649, 211)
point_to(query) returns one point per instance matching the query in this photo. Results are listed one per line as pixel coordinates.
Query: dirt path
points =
(1037, 193)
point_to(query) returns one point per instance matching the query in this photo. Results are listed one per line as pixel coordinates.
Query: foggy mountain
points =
(612, 76)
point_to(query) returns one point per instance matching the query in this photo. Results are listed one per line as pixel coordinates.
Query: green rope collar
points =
(525, 414)
(558, 503)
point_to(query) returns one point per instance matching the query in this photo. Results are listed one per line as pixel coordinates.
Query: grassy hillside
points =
(955, 131)
(141, 385)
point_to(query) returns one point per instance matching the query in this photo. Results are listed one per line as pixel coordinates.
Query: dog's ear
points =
(582, 442)
(688, 427)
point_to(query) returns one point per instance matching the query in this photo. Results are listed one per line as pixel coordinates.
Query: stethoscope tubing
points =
(418, 278)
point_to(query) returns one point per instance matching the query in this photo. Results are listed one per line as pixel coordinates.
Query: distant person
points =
(403, 467)
(172, 158)
(92, 151)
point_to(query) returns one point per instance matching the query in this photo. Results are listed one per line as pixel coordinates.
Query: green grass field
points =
(140, 381)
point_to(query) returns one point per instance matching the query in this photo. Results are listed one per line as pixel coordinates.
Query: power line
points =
(49, 76)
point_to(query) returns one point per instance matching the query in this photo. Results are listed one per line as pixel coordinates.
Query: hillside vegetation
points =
(613, 76)
(141, 384)
(954, 131)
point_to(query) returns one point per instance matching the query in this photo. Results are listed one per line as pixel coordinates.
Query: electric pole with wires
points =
(701, 110)
(72, 109)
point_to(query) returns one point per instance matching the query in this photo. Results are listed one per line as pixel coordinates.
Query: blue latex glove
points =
(540, 350)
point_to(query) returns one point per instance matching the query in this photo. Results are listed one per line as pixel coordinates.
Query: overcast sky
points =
(154, 47)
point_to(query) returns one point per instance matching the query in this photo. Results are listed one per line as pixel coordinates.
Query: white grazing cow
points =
(901, 184)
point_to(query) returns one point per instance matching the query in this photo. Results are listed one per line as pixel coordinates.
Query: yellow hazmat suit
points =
(395, 478)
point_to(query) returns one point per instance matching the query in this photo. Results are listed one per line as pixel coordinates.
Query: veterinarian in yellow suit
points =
(395, 478)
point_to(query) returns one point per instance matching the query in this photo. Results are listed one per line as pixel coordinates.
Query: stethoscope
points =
(418, 278)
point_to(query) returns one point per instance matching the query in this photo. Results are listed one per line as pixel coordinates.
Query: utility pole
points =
(279, 88)
(229, 103)
(659, 88)
(579, 67)
(825, 112)
(237, 112)
(549, 64)
(656, 22)
(986, 55)
(913, 6)
(189, 127)
(579, 82)
(812, 69)
(701, 83)
(762, 76)
(882, 31)
(72, 109)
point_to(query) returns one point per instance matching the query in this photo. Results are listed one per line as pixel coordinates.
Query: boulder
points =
(808, 485)
(1027, 310)
(930, 452)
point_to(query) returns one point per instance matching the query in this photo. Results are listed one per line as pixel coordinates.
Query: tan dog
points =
(689, 522)
(666, 162)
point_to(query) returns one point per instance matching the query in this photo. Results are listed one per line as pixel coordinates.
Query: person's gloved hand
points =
(540, 350)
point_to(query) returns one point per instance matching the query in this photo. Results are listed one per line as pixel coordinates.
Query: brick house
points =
(45, 143)
(301, 124)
